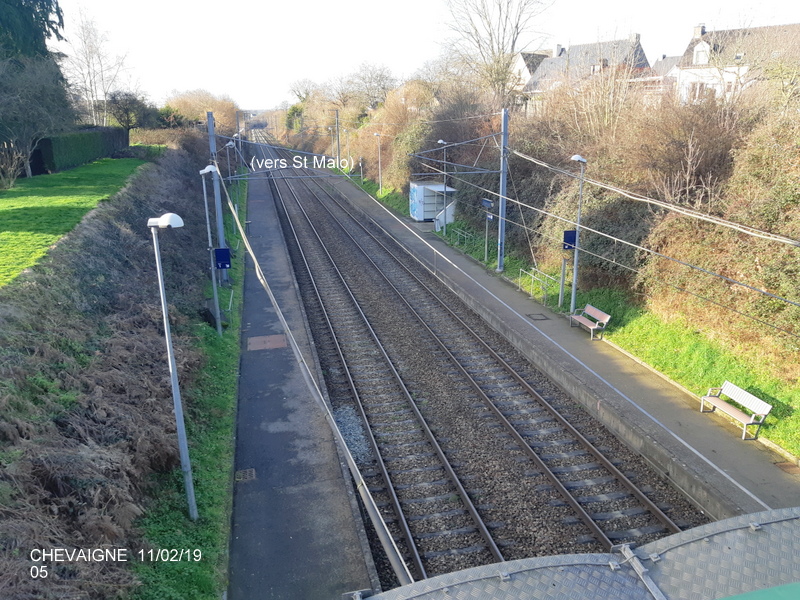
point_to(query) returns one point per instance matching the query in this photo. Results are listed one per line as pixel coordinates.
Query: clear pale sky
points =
(253, 50)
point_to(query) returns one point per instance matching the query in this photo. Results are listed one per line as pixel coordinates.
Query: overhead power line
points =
(752, 231)
(627, 243)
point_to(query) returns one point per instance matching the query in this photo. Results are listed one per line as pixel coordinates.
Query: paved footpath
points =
(294, 534)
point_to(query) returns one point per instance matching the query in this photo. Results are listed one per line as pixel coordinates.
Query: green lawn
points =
(37, 212)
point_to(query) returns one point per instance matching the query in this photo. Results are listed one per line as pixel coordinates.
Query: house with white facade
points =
(724, 63)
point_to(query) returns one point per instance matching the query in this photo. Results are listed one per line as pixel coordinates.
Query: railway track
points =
(473, 455)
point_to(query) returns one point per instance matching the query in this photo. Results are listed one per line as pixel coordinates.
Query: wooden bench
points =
(590, 317)
(757, 406)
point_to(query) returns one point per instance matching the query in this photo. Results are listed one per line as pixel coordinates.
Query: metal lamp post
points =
(578, 158)
(444, 189)
(169, 221)
(380, 174)
(228, 146)
(217, 318)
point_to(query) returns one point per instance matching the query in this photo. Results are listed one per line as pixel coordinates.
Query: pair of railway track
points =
(472, 455)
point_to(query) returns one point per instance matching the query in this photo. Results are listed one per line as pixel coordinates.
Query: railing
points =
(463, 238)
(537, 277)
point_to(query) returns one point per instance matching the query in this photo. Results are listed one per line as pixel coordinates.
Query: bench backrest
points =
(746, 399)
(597, 314)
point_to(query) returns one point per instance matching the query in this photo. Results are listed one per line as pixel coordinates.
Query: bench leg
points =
(703, 404)
(744, 431)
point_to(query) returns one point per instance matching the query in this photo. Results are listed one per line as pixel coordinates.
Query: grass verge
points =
(677, 351)
(37, 212)
(210, 423)
(390, 197)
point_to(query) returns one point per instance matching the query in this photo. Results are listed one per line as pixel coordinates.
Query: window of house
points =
(603, 64)
(696, 91)
(701, 52)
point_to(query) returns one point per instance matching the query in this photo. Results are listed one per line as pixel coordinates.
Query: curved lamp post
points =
(170, 221)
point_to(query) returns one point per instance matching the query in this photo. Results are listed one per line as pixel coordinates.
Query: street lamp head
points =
(441, 142)
(209, 169)
(578, 158)
(166, 221)
(229, 144)
(377, 134)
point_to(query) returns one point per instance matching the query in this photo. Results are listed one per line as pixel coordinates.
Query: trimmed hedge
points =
(69, 150)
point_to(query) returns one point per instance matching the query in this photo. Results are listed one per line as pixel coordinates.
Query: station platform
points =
(296, 531)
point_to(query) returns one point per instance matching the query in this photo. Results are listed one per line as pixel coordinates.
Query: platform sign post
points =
(487, 204)
(222, 256)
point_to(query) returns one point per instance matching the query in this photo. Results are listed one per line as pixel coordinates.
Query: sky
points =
(253, 50)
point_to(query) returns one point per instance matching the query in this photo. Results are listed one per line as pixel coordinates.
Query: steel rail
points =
(583, 514)
(403, 523)
(480, 525)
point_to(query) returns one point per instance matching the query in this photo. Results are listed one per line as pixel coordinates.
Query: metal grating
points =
(537, 317)
(244, 475)
(789, 467)
(266, 342)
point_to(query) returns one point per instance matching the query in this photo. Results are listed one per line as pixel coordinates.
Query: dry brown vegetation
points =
(734, 158)
(85, 403)
(195, 104)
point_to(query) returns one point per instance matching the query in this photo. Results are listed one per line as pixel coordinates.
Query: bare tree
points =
(131, 110)
(33, 105)
(341, 91)
(194, 105)
(373, 83)
(490, 34)
(91, 70)
(302, 89)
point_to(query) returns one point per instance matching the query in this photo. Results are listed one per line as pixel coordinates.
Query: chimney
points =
(699, 31)
(557, 51)
(634, 38)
